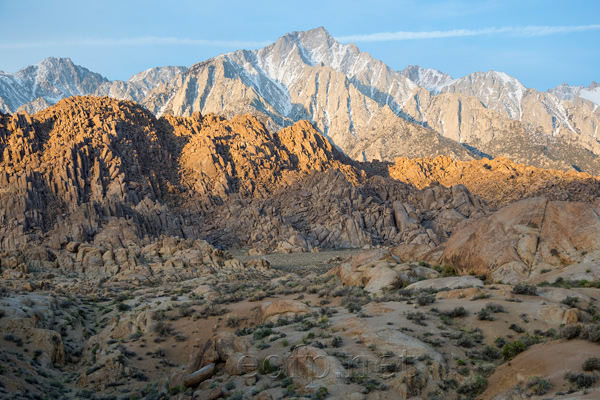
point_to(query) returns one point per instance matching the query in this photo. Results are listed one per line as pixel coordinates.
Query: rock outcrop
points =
(525, 238)
(499, 181)
(107, 172)
(379, 271)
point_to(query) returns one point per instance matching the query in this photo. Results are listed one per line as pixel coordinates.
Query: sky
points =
(542, 43)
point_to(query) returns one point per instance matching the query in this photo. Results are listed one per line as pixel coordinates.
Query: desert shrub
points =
(265, 367)
(516, 328)
(523, 288)
(495, 307)
(352, 303)
(416, 317)
(538, 385)
(446, 270)
(591, 333)
(491, 353)
(465, 340)
(473, 386)
(162, 328)
(180, 337)
(530, 340)
(591, 364)
(424, 299)
(580, 380)
(321, 393)
(337, 341)
(230, 385)
(244, 331)
(185, 311)
(500, 341)
(261, 332)
(480, 296)
(570, 332)
(571, 301)
(510, 350)
(485, 315)
(15, 339)
(456, 312)
(485, 368)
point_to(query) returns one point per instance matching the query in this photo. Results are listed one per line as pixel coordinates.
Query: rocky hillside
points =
(499, 181)
(107, 171)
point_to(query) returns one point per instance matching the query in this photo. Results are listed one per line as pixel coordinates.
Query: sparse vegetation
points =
(524, 289)
(538, 385)
(591, 364)
(580, 380)
(473, 386)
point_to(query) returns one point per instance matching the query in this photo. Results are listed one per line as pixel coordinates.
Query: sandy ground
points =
(300, 263)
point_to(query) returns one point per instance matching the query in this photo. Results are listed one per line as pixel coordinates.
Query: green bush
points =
(261, 333)
(321, 393)
(510, 350)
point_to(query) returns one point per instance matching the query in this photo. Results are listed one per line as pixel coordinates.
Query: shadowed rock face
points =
(105, 171)
(526, 237)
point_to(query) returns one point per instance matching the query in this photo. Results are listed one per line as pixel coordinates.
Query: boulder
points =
(196, 378)
(272, 310)
(218, 348)
(380, 278)
(312, 367)
(240, 364)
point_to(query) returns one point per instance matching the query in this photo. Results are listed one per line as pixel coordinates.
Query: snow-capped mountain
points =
(572, 93)
(427, 78)
(369, 110)
(140, 85)
(363, 106)
(38, 86)
(51, 79)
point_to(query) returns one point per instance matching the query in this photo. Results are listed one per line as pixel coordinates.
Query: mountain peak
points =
(55, 61)
(428, 78)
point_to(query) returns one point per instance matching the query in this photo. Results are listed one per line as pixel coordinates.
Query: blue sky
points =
(541, 43)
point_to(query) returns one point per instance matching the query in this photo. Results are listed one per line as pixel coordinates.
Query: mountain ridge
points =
(368, 110)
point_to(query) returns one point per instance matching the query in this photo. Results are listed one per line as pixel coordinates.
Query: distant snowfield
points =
(592, 95)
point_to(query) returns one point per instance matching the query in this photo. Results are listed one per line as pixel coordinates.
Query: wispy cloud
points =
(138, 41)
(516, 31)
